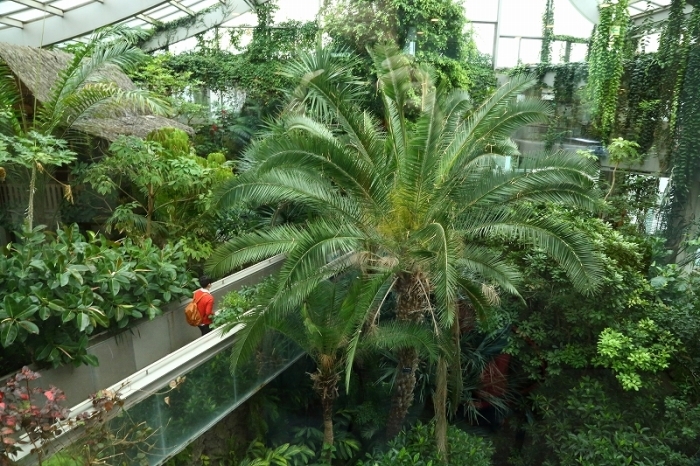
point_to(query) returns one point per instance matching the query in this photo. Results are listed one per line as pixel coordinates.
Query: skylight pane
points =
(163, 13)
(30, 15)
(175, 16)
(530, 50)
(10, 7)
(70, 4)
(507, 53)
(199, 5)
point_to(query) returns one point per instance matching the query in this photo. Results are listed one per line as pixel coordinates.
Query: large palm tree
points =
(408, 203)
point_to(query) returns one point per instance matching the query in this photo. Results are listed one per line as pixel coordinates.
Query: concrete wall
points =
(125, 353)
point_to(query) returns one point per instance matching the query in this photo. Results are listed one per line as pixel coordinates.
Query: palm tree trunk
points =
(411, 302)
(328, 439)
(440, 405)
(325, 384)
(403, 393)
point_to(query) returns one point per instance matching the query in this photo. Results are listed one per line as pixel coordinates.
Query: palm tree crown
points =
(409, 203)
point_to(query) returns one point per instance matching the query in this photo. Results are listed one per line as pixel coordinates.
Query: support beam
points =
(11, 22)
(182, 7)
(76, 22)
(147, 19)
(201, 23)
(40, 6)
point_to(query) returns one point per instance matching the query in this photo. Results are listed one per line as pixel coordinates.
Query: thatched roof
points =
(38, 69)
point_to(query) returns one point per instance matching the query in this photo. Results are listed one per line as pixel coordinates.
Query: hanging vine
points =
(609, 49)
(547, 33)
(685, 154)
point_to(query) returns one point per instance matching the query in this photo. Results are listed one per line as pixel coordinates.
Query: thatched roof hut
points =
(38, 70)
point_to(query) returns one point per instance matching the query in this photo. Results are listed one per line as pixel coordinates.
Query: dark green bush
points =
(416, 447)
(60, 288)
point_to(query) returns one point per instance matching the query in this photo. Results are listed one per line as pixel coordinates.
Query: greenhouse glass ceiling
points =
(509, 30)
(42, 23)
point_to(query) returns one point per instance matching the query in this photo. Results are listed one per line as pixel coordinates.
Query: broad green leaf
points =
(83, 321)
(8, 333)
(29, 326)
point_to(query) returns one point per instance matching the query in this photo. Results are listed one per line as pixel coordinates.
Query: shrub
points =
(416, 447)
(58, 290)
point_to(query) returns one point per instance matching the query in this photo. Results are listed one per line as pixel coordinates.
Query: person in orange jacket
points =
(205, 303)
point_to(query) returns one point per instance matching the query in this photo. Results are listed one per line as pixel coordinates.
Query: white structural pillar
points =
(497, 33)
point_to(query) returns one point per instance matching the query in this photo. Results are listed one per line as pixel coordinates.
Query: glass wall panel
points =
(480, 10)
(483, 37)
(522, 17)
(530, 51)
(185, 408)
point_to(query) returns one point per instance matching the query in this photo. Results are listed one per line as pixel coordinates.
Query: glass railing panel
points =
(185, 408)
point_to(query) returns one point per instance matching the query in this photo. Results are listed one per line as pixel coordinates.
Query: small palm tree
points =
(325, 329)
(414, 205)
(82, 92)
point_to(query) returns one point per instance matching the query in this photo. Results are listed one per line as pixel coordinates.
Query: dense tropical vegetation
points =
(456, 301)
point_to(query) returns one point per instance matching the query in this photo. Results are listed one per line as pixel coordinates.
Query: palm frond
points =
(287, 186)
(394, 334)
(250, 248)
(551, 178)
(10, 97)
(494, 120)
(569, 248)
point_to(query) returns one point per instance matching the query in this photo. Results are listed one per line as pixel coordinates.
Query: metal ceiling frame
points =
(57, 25)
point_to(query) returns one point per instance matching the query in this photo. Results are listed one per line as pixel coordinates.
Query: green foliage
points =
(415, 204)
(641, 328)
(438, 27)
(609, 49)
(642, 347)
(684, 153)
(165, 190)
(622, 151)
(37, 153)
(256, 68)
(547, 33)
(57, 291)
(415, 447)
(592, 426)
(284, 455)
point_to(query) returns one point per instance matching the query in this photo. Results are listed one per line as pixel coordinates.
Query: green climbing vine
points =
(547, 33)
(609, 49)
